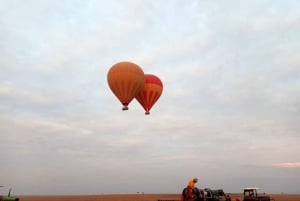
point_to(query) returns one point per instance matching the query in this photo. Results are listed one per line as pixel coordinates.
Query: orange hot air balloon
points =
(150, 94)
(126, 80)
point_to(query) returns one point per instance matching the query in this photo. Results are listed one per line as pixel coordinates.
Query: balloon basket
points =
(125, 108)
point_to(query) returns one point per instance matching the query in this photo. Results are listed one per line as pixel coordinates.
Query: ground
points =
(140, 197)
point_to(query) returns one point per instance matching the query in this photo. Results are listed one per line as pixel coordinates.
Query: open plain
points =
(140, 197)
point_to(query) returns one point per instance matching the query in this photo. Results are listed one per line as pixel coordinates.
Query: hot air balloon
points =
(126, 80)
(150, 94)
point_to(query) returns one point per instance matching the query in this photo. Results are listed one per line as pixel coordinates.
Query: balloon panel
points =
(153, 79)
(125, 86)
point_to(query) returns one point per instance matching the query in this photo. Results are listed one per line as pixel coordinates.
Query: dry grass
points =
(277, 197)
(139, 197)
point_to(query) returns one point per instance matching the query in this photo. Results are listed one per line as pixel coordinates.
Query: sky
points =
(229, 113)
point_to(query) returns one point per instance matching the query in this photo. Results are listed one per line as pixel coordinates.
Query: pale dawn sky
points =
(229, 113)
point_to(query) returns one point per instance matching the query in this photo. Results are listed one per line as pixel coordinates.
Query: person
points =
(190, 187)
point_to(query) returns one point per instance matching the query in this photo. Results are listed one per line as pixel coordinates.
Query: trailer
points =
(215, 195)
(205, 194)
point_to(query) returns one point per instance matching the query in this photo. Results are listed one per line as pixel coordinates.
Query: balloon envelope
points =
(153, 88)
(126, 80)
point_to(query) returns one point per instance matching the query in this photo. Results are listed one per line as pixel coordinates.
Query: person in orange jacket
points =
(191, 186)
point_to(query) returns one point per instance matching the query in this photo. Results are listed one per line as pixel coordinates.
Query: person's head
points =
(195, 180)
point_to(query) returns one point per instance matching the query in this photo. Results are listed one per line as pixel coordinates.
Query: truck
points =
(251, 194)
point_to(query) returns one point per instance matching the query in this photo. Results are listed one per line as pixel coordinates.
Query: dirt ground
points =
(140, 197)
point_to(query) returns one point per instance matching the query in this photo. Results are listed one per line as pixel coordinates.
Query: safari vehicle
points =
(8, 197)
(250, 194)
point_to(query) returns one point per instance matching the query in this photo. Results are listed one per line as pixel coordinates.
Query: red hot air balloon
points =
(126, 80)
(150, 94)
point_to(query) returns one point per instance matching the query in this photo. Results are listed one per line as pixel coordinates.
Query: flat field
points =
(139, 197)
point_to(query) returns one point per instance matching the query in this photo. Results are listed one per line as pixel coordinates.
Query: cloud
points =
(25, 95)
(287, 165)
(35, 99)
